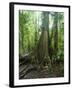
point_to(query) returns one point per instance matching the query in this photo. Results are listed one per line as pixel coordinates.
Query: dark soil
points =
(32, 71)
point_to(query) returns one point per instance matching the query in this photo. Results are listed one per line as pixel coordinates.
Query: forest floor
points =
(33, 71)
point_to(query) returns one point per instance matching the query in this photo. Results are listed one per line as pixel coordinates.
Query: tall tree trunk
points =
(56, 33)
(36, 22)
(42, 49)
(21, 33)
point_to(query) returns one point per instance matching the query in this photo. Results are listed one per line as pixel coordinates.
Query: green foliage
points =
(27, 30)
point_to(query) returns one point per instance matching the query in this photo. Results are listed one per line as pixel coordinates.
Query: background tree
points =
(56, 33)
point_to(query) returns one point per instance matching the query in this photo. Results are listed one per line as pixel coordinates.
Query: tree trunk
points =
(56, 33)
(42, 49)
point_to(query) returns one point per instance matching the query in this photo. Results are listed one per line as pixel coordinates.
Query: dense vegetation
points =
(41, 44)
